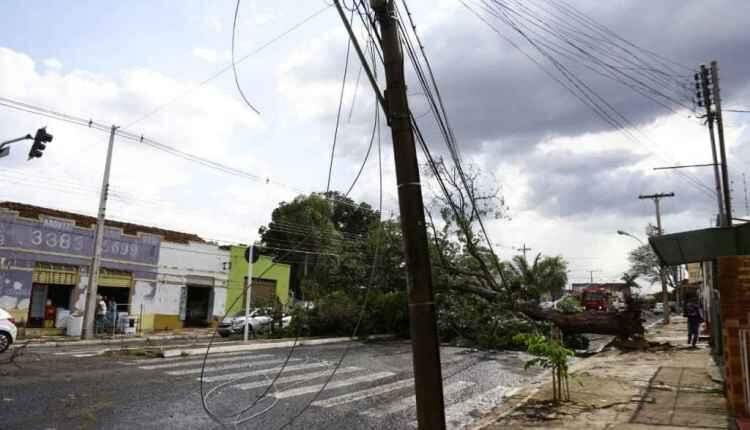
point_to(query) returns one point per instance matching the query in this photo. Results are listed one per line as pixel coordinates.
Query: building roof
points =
(85, 221)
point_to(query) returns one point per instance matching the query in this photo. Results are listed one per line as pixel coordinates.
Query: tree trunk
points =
(623, 324)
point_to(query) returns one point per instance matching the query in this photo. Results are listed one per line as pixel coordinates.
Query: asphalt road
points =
(72, 388)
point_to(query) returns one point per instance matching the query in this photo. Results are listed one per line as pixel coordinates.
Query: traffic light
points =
(38, 146)
(256, 254)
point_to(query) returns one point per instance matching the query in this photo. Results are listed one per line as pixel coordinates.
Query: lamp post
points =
(625, 233)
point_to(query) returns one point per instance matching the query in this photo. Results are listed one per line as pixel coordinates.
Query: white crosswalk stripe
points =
(411, 401)
(231, 376)
(252, 371)
(249, 359)
(222, 367)
(363, 394)
(298, 378)
(148, 361)
(332, 385)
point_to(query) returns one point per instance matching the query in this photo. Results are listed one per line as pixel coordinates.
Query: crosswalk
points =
(371, 393)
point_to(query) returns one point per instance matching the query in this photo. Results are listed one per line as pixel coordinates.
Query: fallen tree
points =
(625, 324)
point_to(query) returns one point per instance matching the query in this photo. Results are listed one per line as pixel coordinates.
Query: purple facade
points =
(24, 242)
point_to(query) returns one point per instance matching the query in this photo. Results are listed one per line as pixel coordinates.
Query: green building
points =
(270, 281)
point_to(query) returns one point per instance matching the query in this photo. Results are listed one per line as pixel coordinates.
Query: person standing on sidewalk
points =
(694, 314)
(101, 313)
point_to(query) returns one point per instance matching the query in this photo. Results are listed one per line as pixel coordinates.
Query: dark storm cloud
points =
(495, 94)
(500, 101)
(568, 184)
(502, 105)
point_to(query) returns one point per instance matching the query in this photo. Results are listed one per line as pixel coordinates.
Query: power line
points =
(234, 63)
(229, 66)
(338, 111)
(36, 110)
(578, 88)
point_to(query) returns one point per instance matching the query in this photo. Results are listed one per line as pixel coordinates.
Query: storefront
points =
(46, 260)
(51, 294)
(270, 282)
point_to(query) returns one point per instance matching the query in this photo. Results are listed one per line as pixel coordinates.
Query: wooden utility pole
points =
(664, 292)
(428, 382)
(524, 249)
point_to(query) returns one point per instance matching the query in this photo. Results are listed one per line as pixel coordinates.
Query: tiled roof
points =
(30, 211)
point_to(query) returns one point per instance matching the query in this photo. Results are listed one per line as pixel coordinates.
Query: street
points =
(67, 388)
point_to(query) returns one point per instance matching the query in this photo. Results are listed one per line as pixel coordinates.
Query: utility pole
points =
(664, 293)
(704, 97)
(428, 381)
(744, 186)
(591, 273)
(722, 150)
(524, 249)
(90, 311)
(248, 290)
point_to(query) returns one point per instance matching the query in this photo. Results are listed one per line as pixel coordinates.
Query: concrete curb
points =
(34, 343)
(266, 345)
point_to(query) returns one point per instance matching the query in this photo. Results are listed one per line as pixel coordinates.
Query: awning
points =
(115, 278)
(701, 245)
(56, 274)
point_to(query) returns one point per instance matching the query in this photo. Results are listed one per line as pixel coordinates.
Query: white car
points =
(260, 319)
(659, 307)
(8, 330)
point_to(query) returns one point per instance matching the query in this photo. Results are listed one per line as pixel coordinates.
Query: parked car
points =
(659, 307)
(8, 330)
(260, 319)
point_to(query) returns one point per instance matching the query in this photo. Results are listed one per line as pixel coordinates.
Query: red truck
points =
(595, 299)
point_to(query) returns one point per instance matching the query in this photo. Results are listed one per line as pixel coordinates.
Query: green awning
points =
(701, 245)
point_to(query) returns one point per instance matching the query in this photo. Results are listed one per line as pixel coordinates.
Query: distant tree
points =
(645, 264)
(630, 284)
(324, 236)
(544, 275)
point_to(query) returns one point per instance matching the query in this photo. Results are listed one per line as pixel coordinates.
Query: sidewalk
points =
(667, 387)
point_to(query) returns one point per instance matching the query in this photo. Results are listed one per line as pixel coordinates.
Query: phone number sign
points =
(62, 237)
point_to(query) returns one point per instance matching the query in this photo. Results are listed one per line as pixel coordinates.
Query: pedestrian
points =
(101, 312)
(694, 314)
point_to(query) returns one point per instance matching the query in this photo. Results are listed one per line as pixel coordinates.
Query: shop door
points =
(197, 306)
(36, 307)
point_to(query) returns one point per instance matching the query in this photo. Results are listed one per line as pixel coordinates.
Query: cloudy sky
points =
(569, 179)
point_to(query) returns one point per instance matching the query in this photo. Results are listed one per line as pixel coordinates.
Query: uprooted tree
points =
(343, 256)
(505, 291)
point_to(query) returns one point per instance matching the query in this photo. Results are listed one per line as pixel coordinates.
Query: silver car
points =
(260, 319)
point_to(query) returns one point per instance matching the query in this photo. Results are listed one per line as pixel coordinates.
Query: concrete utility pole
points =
(720, 129)
(90, 311)
(524, 249)
(428, 381)
(702, 81)
(664, 292)
(248, 290)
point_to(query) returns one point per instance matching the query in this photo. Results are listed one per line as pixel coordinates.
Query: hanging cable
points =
(234, 63)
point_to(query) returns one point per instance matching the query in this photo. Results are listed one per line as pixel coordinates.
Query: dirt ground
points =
(667, 386)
